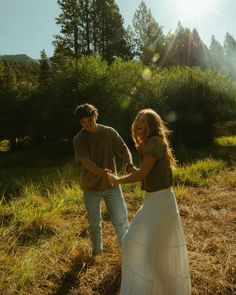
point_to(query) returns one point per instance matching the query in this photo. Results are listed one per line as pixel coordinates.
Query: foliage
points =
(148, 36)
(184, 97)
(185, 48)
(44, 75)
(91, 27)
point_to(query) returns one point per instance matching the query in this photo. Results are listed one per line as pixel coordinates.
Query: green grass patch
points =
(199, 173)
(4, 145)
(226, 141)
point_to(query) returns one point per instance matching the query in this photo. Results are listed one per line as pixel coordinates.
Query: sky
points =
(28, 26)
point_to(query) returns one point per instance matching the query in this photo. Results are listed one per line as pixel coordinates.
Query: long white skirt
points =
(154, 252)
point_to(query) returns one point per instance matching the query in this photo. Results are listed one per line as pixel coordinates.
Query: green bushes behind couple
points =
(193, 101)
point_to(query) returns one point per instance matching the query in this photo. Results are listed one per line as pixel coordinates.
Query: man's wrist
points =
(129, 165)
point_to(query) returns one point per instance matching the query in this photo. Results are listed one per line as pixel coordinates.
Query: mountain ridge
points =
(17, 57)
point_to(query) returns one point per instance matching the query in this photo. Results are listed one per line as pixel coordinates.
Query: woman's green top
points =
(160, 176)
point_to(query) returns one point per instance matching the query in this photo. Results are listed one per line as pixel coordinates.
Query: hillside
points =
(17, 57)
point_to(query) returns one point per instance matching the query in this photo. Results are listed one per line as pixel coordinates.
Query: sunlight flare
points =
(194, 9)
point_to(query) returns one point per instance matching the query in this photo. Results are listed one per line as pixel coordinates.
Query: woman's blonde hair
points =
(155, 126)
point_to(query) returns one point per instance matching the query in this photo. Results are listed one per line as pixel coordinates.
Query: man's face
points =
(89, 123)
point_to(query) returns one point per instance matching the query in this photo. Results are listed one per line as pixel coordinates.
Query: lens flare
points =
(146, 74)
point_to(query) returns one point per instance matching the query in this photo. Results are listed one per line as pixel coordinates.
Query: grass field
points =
(44, 245)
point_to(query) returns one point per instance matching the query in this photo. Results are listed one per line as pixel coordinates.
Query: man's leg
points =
(117, 210)
(92, 201)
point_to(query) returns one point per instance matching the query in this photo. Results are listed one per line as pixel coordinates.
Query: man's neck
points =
(95, 129)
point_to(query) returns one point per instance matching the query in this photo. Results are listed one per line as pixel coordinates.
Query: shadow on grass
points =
(40, 166)
(110, 285)
(71, 278)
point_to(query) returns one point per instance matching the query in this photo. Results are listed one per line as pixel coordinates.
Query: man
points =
(95, 148)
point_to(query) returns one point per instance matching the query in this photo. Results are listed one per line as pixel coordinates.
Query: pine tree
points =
(44, 74)
(200, 55)
(216, 55)
(179, 47)
(230, 54)
(69, 43)
(109, 35)
(91, 26)
(148, 35)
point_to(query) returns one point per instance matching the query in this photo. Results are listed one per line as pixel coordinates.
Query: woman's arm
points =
(138, 175)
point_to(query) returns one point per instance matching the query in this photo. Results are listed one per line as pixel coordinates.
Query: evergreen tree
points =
(69, 43)
(44, 74)
(8, 104)
(130, 42)
(185, 48)
(91, 26)
(109, 35)
(200, 55)
(216, 55)
(141, 20)
(179, 46)
(230, 54)
(148, 35)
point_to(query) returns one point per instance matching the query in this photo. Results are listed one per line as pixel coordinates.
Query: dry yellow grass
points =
(209, 220)
(45, 248)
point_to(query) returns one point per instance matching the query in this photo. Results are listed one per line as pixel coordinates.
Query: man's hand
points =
(130, 168)
(105, 172)
(113, 179)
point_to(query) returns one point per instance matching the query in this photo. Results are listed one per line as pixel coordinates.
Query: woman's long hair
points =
(155, 126)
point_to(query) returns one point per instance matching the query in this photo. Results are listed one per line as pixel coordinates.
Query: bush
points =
(192, 101)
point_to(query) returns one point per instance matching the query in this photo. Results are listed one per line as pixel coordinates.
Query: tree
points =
(109, 34)
(230, 54)
(44, 74)
(216, 55)
(141, 19)
(70, 41)
(185, 48)
(148, 35)
(179, 46)
(8, 104)
(200, 55)
(91, 26)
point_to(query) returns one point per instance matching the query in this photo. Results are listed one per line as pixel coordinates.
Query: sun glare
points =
(194, 9)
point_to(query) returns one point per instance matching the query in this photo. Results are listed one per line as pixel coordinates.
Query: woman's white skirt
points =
(154, 252)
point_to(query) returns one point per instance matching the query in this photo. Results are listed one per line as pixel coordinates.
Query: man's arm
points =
(92, 167)
(121, 149)
(82, 157)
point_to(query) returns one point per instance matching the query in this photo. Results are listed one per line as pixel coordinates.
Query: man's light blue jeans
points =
(116, 208)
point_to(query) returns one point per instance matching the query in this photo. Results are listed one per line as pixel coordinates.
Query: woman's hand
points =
(113, 179)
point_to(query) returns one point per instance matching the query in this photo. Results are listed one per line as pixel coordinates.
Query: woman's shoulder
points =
(154, 147)
(155, 140)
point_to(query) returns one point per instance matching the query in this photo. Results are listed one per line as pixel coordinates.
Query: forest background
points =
(120, 70)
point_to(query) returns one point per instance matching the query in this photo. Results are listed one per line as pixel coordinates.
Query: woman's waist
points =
(158, 192)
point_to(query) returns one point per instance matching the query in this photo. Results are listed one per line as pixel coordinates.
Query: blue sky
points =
(28, 26)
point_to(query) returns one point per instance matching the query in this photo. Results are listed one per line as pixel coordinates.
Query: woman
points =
(154, 252)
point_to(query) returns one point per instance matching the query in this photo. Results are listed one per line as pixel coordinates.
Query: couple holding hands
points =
(153, 247)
